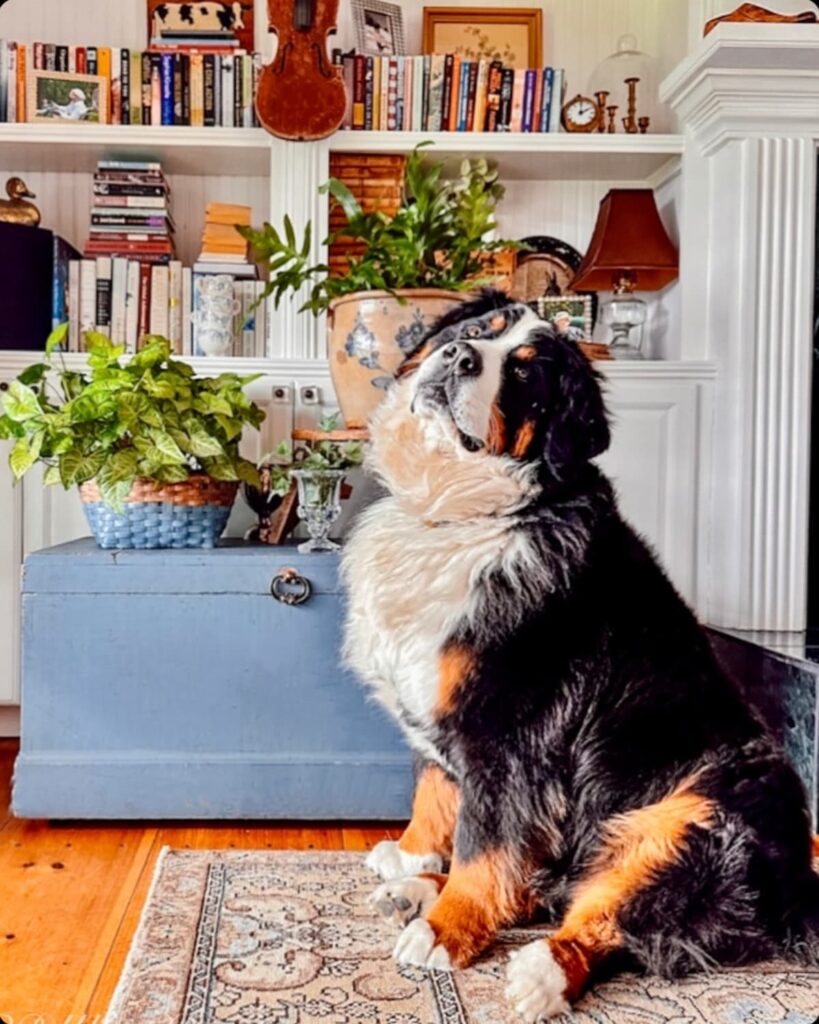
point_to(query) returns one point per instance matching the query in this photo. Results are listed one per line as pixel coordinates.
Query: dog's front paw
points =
(416, 945)
(389, 861)
(405, 899)
(536, 984)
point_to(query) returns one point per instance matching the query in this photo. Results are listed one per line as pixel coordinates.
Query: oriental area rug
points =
(288, 938)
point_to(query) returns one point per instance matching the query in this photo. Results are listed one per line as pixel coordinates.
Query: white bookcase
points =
(662, 407)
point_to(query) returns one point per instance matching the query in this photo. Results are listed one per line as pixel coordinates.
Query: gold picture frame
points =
(513, 35)
(57, 97)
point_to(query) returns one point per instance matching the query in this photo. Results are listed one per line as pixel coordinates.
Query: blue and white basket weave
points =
(190, 514)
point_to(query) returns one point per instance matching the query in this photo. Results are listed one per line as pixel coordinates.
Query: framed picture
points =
(513, 35)
(379, 28)
(69, 99)
(570, 315)
(206, 17)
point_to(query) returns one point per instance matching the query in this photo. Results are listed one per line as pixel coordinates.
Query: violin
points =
(301, 94)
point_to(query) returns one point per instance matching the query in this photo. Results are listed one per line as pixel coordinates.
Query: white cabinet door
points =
(11, 544)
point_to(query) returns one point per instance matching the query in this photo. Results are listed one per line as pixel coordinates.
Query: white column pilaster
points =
(748, 101)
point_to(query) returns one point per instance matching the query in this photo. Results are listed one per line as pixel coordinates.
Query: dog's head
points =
(492, 383)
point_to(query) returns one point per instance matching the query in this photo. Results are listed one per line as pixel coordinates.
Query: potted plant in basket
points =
(154, 449)
(318, 464)
(415, 265)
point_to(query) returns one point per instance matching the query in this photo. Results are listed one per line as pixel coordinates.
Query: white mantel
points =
(748, 103)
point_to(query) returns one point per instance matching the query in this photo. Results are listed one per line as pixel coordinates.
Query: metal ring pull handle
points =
(290, 587)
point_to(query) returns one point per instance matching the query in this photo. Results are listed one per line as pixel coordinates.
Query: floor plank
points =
(71, 896)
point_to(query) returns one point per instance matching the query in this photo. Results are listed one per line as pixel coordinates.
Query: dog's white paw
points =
(416, 945)
(388, 861)
(405, 899)
(536, 984)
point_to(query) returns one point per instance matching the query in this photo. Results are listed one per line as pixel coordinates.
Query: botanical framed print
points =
(70, 99)
(379, 28)
(570, 315)
(513, 35)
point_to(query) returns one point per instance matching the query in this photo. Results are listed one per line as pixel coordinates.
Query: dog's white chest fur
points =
(411, 586)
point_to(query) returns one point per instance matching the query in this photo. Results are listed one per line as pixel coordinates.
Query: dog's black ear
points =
(579, 426)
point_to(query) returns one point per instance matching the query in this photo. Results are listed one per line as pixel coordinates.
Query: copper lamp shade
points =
(629, 250)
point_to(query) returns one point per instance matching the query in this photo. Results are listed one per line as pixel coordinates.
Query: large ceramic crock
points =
(369, 333)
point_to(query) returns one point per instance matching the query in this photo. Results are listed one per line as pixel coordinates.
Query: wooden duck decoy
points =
(16, 209)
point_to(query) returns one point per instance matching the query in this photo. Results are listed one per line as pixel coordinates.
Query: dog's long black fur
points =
(601, 695)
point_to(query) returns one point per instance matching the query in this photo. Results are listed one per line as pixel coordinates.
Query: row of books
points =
(167, 85)
(444, 92)
(129, 299)
(131, 213)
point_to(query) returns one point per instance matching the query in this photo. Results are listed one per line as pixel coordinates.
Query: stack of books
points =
(131, 214)
(224, 251)
(444, 92)
(206, 85)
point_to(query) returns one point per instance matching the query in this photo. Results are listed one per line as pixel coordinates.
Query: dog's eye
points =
(473, 331)
(522, 372)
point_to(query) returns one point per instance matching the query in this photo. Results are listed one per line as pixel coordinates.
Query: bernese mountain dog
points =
(583, 760)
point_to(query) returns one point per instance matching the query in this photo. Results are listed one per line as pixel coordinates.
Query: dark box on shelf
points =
(25, 286)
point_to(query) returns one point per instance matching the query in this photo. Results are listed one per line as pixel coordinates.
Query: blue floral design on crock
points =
(361, 344)
(409, 336)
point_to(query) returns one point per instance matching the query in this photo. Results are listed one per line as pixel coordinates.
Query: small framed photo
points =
(569, 315)
(379, 28)
(70, 99)
(513, 35)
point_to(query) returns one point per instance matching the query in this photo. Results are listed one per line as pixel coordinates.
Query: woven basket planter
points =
(191, 514)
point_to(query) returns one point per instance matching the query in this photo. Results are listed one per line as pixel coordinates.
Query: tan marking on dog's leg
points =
(523, 439)
(454, 668)
(434, 812)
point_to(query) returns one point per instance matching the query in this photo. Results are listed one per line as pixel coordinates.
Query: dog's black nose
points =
(462, 359)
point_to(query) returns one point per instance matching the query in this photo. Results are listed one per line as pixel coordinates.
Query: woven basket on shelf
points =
(190, 514)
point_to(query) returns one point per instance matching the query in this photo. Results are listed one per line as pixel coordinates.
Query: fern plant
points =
(436, 239)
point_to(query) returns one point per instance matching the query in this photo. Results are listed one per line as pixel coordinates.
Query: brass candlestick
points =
(601, 98)
(643, 123)
(630, 121)
(612, 112)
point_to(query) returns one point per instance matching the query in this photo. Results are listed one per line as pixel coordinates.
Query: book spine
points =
(135, 90)
(186, 89)
(527, 110)
(12, 79)
(88, 300)
(348, 75)
(493, 90)
(175, 306)
(131, 306)
(471, 90)
(368, 93)
(38, 57)
(119, 285)
(72, 60)
(4, 80)
(426, 75)
(82, 64)
(74, 305)
(376, 117)
(260, 317)
(237, 320)
(217, 89)
(145, 96)
(166, 71)
(399, 93)
(187, 308)
(237, 115)
(90, 59)
(417, 93)
(125, 86)
(381, 116)
(257, 73)
(481, 89)
(208, 91)
(160, 298)
(178, 88)
(61, 58)
(456, 90)
(248, 319)
(537, 100)
(22, 61)
(392, 94)
(197, 90)
(409, 99)
(247, 91)
(156, 89)
(556, 105)
(102, 315)
(446, 98)
(518, 89)
(144, 307)
(507, 88)
(463, 95)
(51, 58)
(359, 91)
(545, 100)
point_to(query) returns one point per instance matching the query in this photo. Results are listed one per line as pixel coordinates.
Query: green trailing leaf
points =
(220, 469)
(76, 468)
(34, 374)
(202, 444)
(24, 454)
(20, 402)
(56, 338)
(114, 494)
(52, 476)
(167, 446)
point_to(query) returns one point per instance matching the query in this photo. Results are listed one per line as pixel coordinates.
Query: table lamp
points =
(629, 251)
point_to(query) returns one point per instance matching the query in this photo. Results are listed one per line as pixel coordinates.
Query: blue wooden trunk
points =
(171, 684)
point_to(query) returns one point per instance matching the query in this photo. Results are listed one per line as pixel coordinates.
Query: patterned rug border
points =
(629, 998)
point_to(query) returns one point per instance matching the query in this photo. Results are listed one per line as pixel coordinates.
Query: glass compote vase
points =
(319, 505)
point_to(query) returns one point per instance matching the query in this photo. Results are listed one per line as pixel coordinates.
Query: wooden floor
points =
(71, 897)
